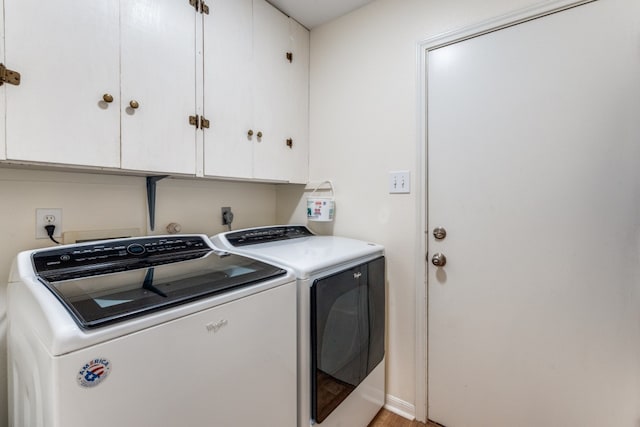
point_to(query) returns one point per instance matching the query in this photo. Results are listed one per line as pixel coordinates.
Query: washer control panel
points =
(109, 256)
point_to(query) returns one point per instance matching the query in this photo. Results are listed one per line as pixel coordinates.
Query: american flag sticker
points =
(94, 372)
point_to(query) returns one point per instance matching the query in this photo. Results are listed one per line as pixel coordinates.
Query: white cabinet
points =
(67, 53)
(255, 97)
(112, 84)
(82, 64)
(158, 54)
(297, 156)
(228, 39)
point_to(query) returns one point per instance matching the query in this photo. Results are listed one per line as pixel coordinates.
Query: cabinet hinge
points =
(289, 56)
(200, 6)
(9, 76)
(199, 122)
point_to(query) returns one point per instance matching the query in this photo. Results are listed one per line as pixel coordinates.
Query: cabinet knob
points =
(259, 134)
(133, 104)
(107, 98)
(250, 133)
(290, 143)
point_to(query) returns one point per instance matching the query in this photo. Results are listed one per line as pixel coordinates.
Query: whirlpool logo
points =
(216, 326)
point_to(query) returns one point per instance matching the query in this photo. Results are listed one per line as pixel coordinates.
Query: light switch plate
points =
(400, 182)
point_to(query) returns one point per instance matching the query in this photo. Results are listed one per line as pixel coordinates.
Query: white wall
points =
(97, 202)
(364, 123)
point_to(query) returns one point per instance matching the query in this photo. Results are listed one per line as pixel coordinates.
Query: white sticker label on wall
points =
(94, 372)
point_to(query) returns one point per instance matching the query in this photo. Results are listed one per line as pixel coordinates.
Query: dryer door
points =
(347, 327)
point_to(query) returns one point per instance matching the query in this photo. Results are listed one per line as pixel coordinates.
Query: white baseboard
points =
(400, 407)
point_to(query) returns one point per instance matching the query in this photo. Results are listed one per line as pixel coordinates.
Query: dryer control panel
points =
(267, 234)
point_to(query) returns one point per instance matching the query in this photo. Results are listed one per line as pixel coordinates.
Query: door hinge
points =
(199, 122)
(200, 6)
(9, 76)
(289, 56)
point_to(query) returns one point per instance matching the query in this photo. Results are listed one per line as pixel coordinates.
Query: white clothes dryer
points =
(341, 318)
(150, 332)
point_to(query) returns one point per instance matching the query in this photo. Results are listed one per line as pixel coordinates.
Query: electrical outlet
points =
(48, 217)
(400, 182)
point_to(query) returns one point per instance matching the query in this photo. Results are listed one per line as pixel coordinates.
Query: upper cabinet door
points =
(281, 96)
(158, 86)
(256, 99)
(271, 93)
(296, 154)
(67, 55)
(228, 99)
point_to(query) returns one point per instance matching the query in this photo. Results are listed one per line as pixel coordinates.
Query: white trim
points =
(421, 250)
(498, 23)
(400, 407)
(421, 296)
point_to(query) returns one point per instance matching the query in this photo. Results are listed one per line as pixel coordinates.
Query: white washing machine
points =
(150, 332)
(341, 319)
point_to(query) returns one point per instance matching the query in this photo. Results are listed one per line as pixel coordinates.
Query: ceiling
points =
(312, 13)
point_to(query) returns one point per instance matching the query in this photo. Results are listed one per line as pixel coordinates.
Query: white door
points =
(534, 172)
(158, 86)
(68, 58)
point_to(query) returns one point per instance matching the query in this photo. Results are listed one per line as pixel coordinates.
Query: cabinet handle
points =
(134, 104)
(250, 133)
(259, 135)
(107, 98)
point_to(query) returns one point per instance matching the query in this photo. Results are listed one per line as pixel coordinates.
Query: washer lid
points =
(98, 300)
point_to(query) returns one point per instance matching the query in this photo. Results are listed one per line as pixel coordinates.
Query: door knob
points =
(439, 260)
(439, 233)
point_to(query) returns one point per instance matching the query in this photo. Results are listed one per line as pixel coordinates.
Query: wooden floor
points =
(389, 419)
